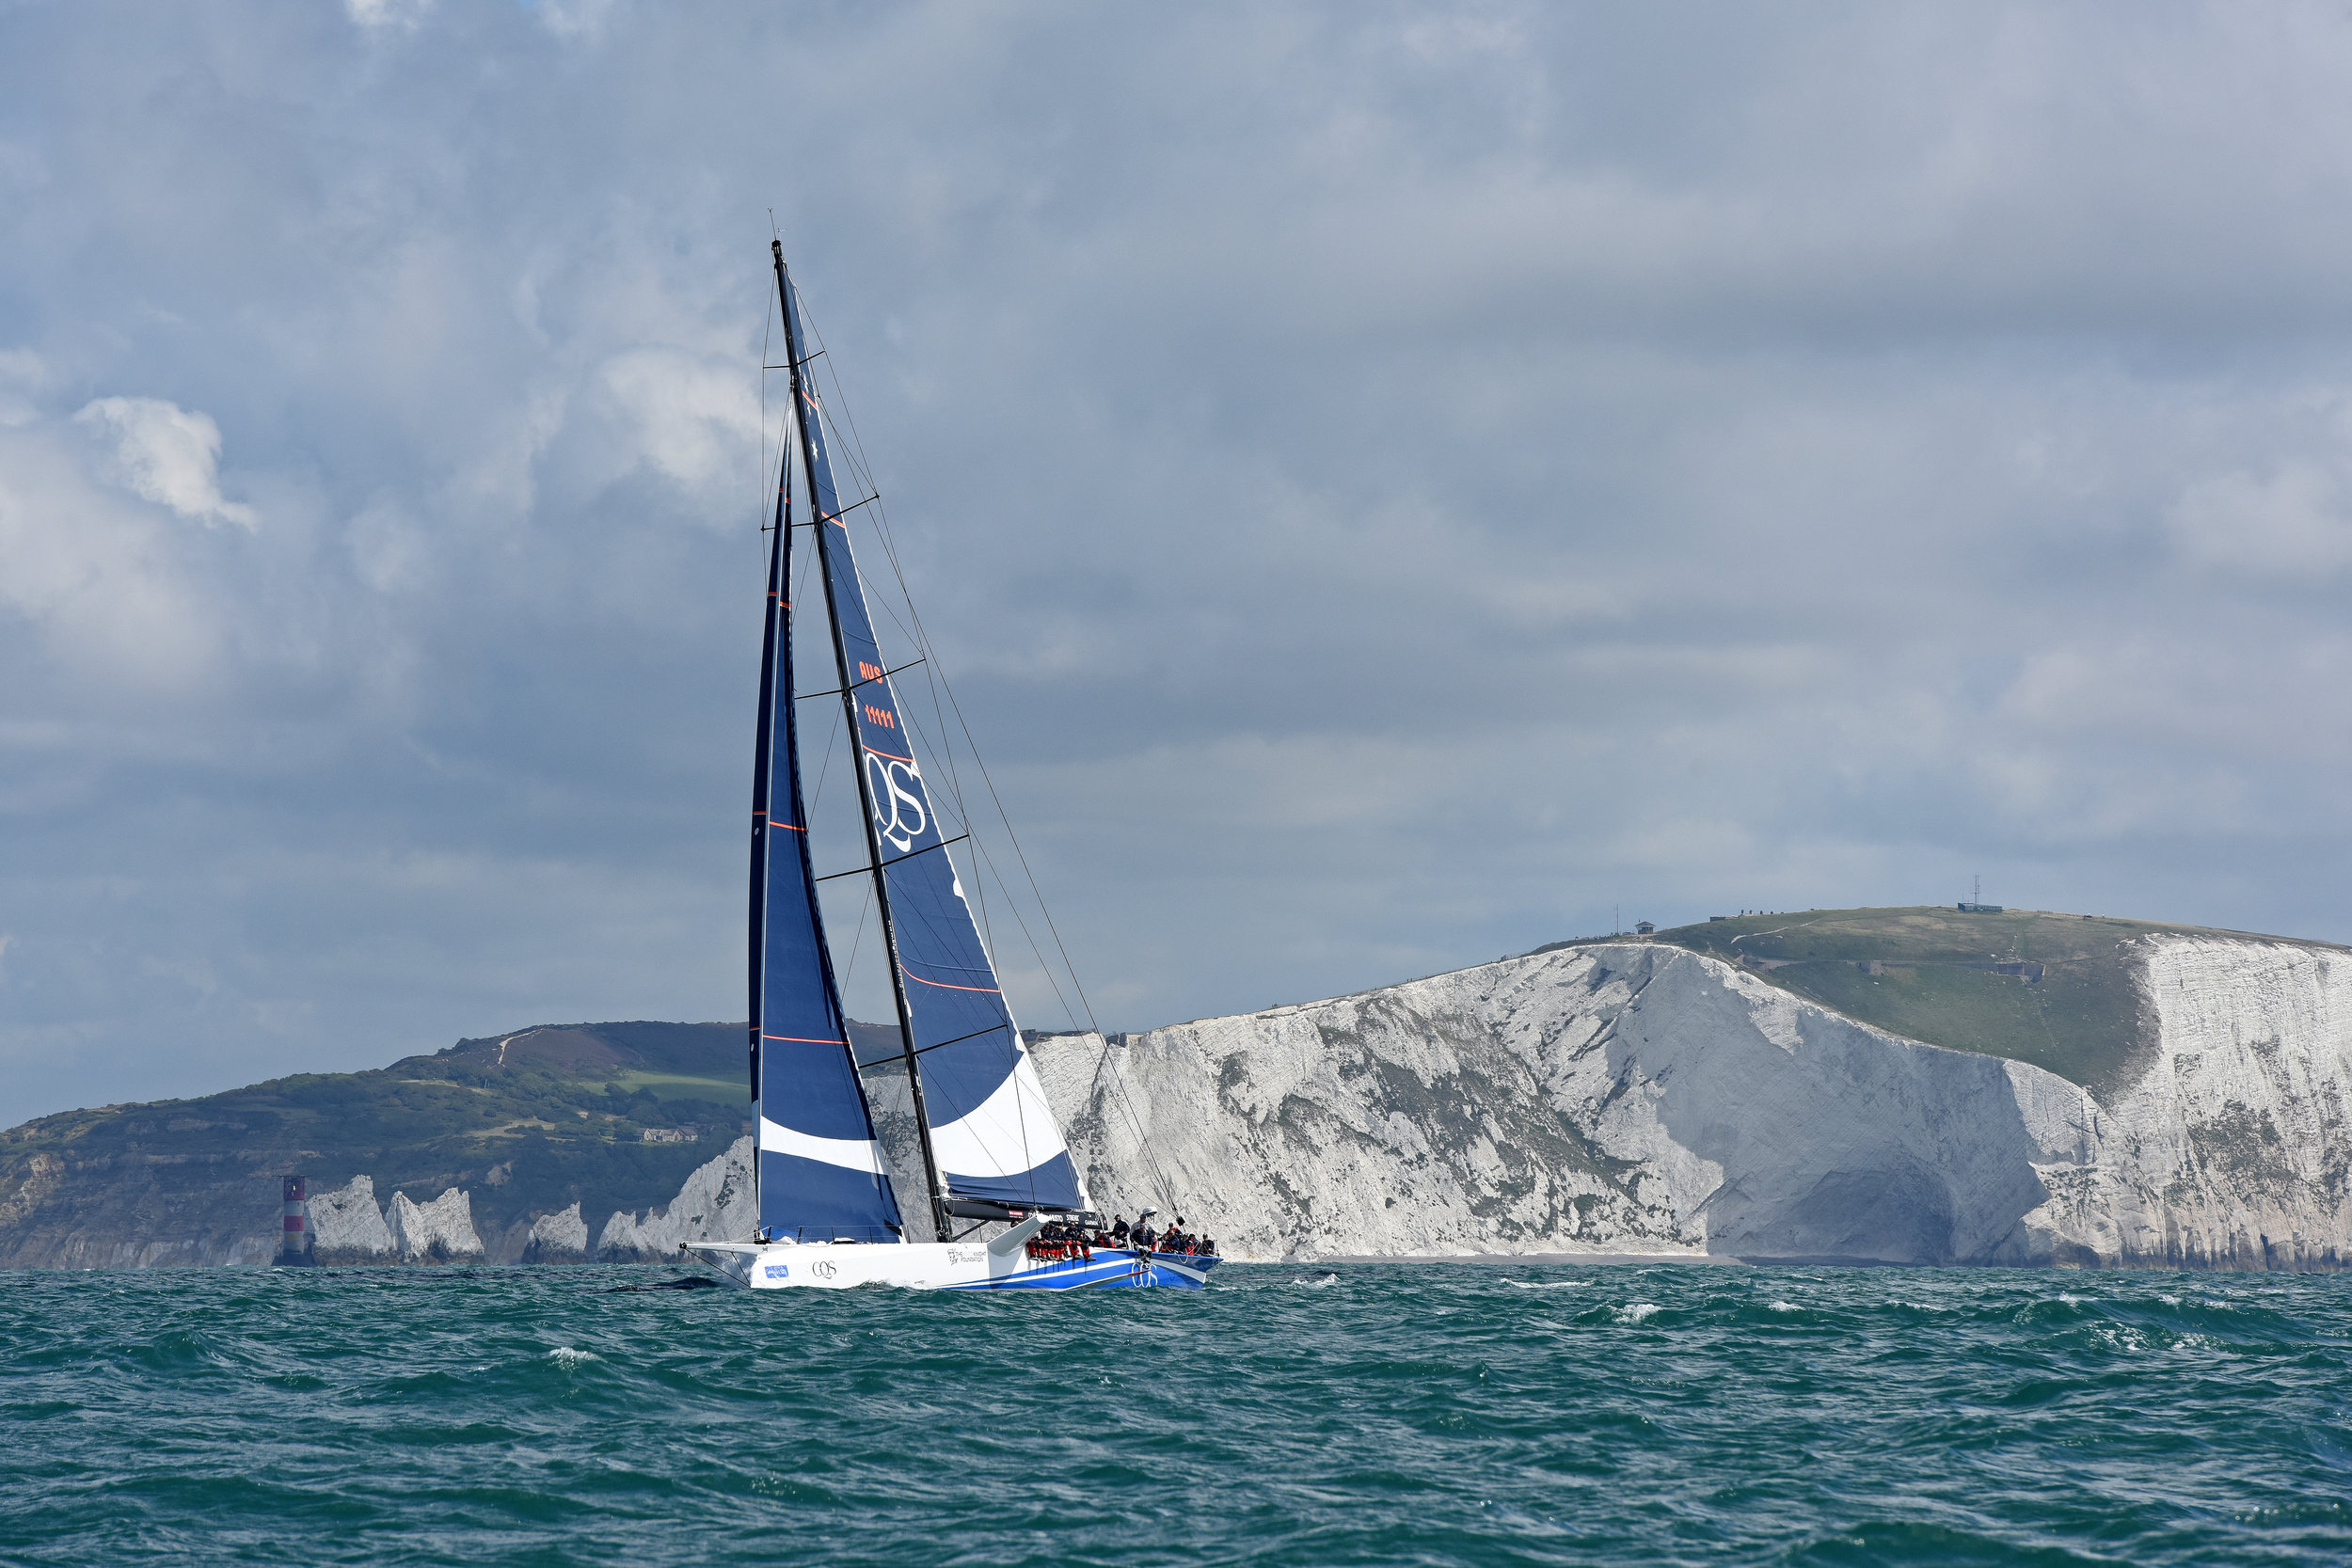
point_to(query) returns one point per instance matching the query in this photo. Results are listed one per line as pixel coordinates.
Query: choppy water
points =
(1356, 1414)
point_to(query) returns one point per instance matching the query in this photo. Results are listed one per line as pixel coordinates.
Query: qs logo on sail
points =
(898, 812)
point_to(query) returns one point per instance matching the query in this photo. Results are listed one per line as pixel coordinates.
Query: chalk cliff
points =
(440, 1231)
(346, 1227)
(558, 1238)
(716, 1204)
(1631, 1096)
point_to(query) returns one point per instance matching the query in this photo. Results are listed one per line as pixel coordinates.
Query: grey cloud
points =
(1392, 483)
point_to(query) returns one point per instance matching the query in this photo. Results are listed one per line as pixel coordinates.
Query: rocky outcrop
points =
(558, 1238)
(717, 1204)
(44, 1173)
(2232, 1148)
(217, 1208)
(440, 1231)
(346, 1227)
(1639, 1097)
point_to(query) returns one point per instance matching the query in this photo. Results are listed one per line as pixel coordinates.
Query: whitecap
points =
(1637, 1312)
(2168, 1300)
(1786, 1307)
(1316, 1284)
(568, 1356)
(1547, 1284)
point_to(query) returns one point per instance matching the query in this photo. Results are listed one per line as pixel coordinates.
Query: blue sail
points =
(993, 1135)
(821, 1175)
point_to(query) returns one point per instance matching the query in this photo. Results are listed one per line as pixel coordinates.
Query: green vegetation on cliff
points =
(527, 1123)
(2071, 1001)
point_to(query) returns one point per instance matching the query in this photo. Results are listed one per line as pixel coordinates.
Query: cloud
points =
(168, 455)
(1388, 486)
(97, 580)
(576, 18)
(695, 421)
(388, 15)
(2295, 523)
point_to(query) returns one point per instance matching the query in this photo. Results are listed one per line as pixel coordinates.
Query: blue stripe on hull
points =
(1107, 1270)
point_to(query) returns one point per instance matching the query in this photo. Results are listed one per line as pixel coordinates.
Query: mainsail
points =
(990, 1133)
(821, 1175)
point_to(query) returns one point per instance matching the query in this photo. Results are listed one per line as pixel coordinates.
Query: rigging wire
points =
(854, 450)
(766, 326)
(864, 907)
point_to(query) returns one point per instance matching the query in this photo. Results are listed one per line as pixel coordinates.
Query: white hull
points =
(945, 1266)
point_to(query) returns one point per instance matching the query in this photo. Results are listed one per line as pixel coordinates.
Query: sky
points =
(1391, 485)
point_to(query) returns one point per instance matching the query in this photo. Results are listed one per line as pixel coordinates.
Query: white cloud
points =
(169, 456)
(576, 18)
(696, 421)
(114, 603)
(386, 15)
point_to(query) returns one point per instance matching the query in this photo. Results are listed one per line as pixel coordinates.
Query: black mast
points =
(804, 407)
(776, 625)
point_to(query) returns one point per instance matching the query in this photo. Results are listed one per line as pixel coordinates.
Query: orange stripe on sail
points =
(984, 990)
(801, 1039)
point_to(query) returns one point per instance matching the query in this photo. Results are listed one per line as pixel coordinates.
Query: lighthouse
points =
(293, 1246)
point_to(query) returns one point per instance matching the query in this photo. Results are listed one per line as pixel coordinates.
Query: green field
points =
(2085, 1018)
(670, 1087)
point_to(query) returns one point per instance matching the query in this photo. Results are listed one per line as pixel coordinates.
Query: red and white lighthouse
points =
(293, 1247)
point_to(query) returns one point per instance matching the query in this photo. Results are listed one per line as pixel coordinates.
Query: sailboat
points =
(992, 1152)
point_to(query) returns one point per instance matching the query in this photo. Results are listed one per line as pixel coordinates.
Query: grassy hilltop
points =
(525, 1122)
(2072, 1004)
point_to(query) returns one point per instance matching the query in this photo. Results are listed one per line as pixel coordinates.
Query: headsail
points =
(821, 1175)
(993, 1135)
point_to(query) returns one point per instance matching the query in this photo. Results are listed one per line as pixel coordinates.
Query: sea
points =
(1391, 1413)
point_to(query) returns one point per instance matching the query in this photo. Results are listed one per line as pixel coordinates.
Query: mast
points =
(803, 409)
(775, 627)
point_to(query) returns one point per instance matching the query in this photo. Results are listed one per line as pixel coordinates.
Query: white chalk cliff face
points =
(347, 1227)
(558, 1238)
(718, 1202)
(436, 1232)
(1640, 1097)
